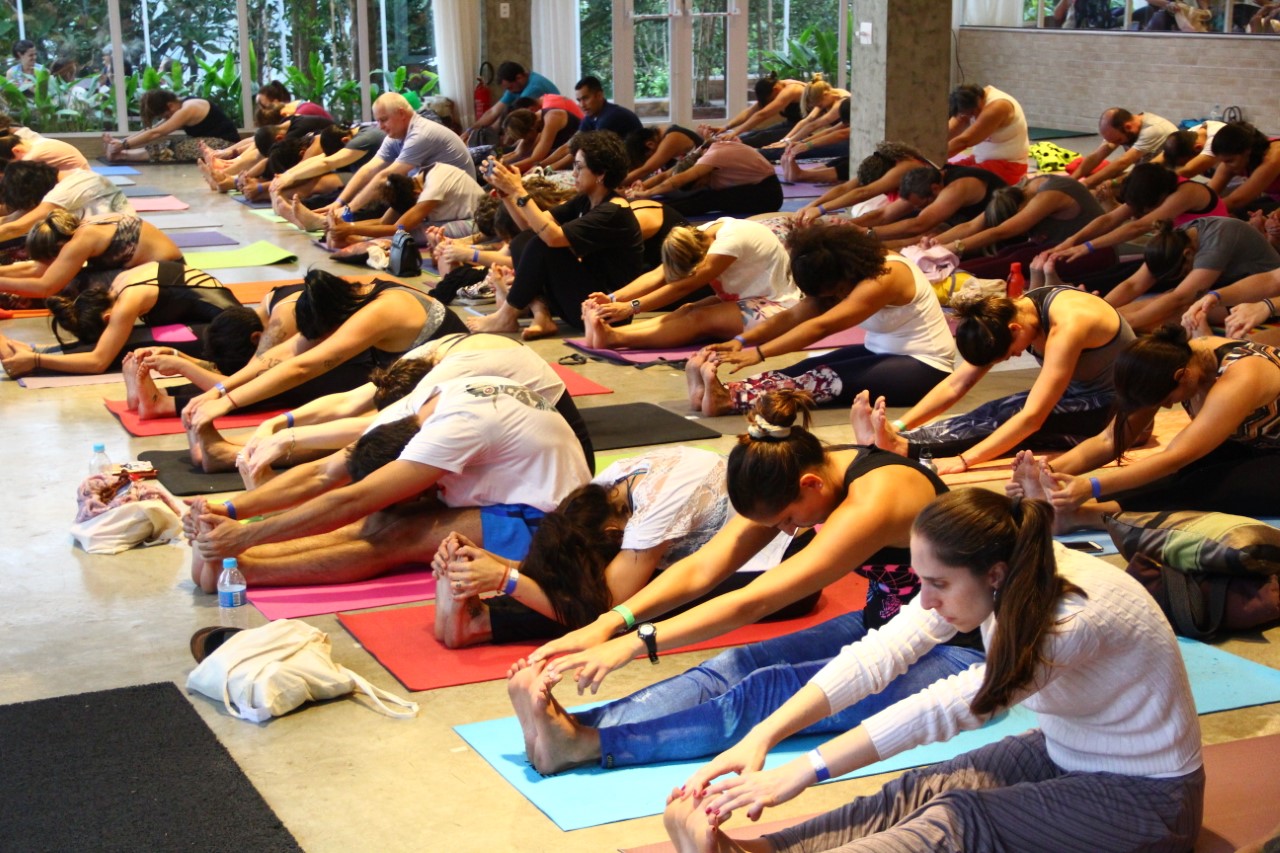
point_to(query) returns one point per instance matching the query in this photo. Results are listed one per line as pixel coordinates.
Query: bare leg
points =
(560, 743)
(693, 380)
(715, 399)
(129, 370)
(461, 622)
(682, 326)
(864, 431)
(887, 437)
(305, 218)
(216, 453)
(504, 319)
(152, 401)
(543, 325)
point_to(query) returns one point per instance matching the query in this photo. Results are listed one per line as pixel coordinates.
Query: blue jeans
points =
(711, 707)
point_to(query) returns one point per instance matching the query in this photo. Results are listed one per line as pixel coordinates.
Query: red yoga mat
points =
(403, 640)
(172, 426)
(578, 385)
(410, 583)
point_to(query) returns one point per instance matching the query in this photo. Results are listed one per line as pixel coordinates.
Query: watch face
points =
(645, 630)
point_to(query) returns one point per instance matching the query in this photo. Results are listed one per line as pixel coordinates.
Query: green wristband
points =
(898, 425)
(627, 616)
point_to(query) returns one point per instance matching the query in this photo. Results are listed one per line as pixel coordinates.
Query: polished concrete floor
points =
(340, 776)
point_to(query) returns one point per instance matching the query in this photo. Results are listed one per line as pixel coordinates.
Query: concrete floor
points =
(340, 776)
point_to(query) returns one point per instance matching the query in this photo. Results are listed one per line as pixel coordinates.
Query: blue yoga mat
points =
(115, 170)
(589, 796)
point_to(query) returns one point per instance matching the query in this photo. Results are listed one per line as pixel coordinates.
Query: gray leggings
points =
(1008, 797)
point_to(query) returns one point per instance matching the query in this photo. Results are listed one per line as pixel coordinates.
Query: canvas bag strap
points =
(404, 709)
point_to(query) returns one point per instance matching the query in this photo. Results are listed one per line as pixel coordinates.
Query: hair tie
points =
(761, 430)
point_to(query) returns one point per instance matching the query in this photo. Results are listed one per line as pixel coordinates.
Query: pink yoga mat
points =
(402, 586)
(848, 337)
(578, 385)
(174, 333)
(403, 640)
(173, 426)
(164, 202)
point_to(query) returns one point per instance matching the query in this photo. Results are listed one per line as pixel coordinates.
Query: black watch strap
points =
(523, 200)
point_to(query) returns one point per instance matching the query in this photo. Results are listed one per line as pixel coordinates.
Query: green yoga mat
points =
(1035, 134)
(259, 254)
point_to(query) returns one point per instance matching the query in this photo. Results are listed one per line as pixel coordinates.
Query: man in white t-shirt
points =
(482, 456)
(447, 200)
(31, 190)
(1142, 136)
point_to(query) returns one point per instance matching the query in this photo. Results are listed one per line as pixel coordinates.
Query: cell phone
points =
(1087, 547)
(488, 169)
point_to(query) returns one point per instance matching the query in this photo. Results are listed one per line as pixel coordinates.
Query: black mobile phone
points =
(1087, 547)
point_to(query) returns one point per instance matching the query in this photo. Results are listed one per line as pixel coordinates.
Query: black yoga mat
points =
(636, 424)
(177, 474)
(127, 769)
(1036, 134)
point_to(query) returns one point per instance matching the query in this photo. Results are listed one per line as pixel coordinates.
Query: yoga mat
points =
(138, 191)
(176, 473)
(1240, 780)
(270, 215)
(107, 169)
(243, 199)
(403, 640)
(259, 254)
(198, 239)
(167, 221)
(804, 190)
(848, 337)
(161, 203)
(145, 163)
(128, 769)
(589, 796)
(173, 426)
(120, 181)
(1035, 134)
(407, 584)
(639, 424)
(174, 333)
(578, 385)
(71, 380)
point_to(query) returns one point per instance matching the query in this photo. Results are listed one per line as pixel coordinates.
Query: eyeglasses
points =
(579, 166)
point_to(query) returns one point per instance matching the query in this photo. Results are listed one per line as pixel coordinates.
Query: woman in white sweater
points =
(1114, 764)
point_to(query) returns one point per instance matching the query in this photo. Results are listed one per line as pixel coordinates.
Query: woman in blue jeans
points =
(780, 477)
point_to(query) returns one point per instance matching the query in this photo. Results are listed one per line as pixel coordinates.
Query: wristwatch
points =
(523, 200)
(649, 635)
(635, 307)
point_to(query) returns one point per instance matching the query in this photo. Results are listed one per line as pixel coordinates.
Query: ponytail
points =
(46, 240)
(1163, 254)
(765, 466)
(80, 315)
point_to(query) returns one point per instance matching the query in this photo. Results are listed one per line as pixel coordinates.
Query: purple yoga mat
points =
(804, 190)
(199, 239)
(848, 337)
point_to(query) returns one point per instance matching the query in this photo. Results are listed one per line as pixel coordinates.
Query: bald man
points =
(1141, 135)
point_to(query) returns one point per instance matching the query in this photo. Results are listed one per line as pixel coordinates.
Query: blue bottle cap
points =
(230, 563)
(99, 448)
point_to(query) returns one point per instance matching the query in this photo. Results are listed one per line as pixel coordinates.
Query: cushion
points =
(1198, 541)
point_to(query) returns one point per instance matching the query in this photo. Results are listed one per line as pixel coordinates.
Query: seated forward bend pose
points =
(343, 150)
(742, 261)
(589, 242)
(201, 121)
(992, 123)
(824, 109)
(536, 134)
(482, 456)
(159, 294)
(411, 143)
(65, 248)
(833, 140)
(780, 477)
(931, 199)
(30, 191)
(1114, 764)
(445, 197)
(600, 546)
(1151, 193)
(62, 156)
(1226, 460)
(1243, 151)
(773, 115)
(1075, 337)
(1142, 135)
(1184, 262)
(1190, 152)
(276, 94)
(516, 83)
(848, 279)
(879, 173)
(729, 176)
(651, 149)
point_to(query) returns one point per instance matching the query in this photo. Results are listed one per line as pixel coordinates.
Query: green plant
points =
(342, 99)
(398, 81)
(817, 49)
(221, 80)
(53, 104)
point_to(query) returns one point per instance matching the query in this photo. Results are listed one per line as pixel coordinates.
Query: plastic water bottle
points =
(231, 598)
(1017, 284)
(99, 464)
(1215, 114)
(926, 461)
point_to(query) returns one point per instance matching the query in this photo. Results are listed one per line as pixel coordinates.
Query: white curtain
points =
(993, 13)
(557, 54)
(457, 24)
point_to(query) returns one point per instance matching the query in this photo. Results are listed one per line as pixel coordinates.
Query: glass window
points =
(404, 48)
(794, 39)
(56, 84)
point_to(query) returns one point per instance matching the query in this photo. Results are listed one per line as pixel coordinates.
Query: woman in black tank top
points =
(780, 478)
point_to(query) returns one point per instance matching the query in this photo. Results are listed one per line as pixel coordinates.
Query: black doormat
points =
(127, 769)
(636, 424)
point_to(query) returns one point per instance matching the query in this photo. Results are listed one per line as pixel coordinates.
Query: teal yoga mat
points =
(589, 796)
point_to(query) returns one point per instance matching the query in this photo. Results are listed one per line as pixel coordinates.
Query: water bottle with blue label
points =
(231, 585)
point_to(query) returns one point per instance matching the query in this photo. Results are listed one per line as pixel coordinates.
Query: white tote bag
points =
(268, 671)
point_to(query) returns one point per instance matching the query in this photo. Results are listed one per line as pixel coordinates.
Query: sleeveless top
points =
(1274, 189)
(182, 301)
(671, 218)
(1261, 428)
(566, 132)
(686, 132)
(276, 294)
(1009, 142)
(1214, 207)
(891, 582)
(1054, 231)
(991, 181)
(214, 125)
(918, 329)
(1092, 374)
(123, 245)
(435, 325)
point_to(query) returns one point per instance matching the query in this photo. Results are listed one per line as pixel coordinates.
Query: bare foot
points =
(465, 624)
(305, 218)
(603, 334)
(692, 377)
(790, 168)
(887, 437)
(521, 684)
(690, 828)
(152, 402)
(864, 432)
(715, 399)
(543, 325)
(204, 573)
(559, 742)
(129, 369)
(1026, 477)
(216, 453)
(445, 604)
(502, 320)
(252, 477)
(207, 173)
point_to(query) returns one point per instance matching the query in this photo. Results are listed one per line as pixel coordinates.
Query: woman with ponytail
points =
(1226, 460)
(780, 478)
(1114, 764)
(1075, 336)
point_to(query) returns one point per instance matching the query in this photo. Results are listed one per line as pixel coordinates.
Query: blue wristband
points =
(231, 510)
(288, 420)
(1095, 486)
(1215, 294)
(221, 389)
(1088, 244)
(822, 210)
(820, 768)
(513, 578)
(475, 256)
(742, 339)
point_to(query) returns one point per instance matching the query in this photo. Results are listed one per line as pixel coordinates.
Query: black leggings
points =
(558, 278)
(1233, 478)
(747, 200)
(349, 375)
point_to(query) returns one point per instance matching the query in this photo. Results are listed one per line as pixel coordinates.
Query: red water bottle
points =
(1017, 284)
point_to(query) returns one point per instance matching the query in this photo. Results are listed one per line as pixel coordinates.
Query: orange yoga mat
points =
(404, 641)
(172, 426)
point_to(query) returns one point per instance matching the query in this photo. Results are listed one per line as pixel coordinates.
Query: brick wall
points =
(1067, 78)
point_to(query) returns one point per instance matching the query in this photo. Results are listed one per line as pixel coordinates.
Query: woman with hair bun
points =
(780, 477)
(64, 247)
(1075, 336)
(1113, 765)
(1226, 460)
(1245, 152)
(879, 173)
